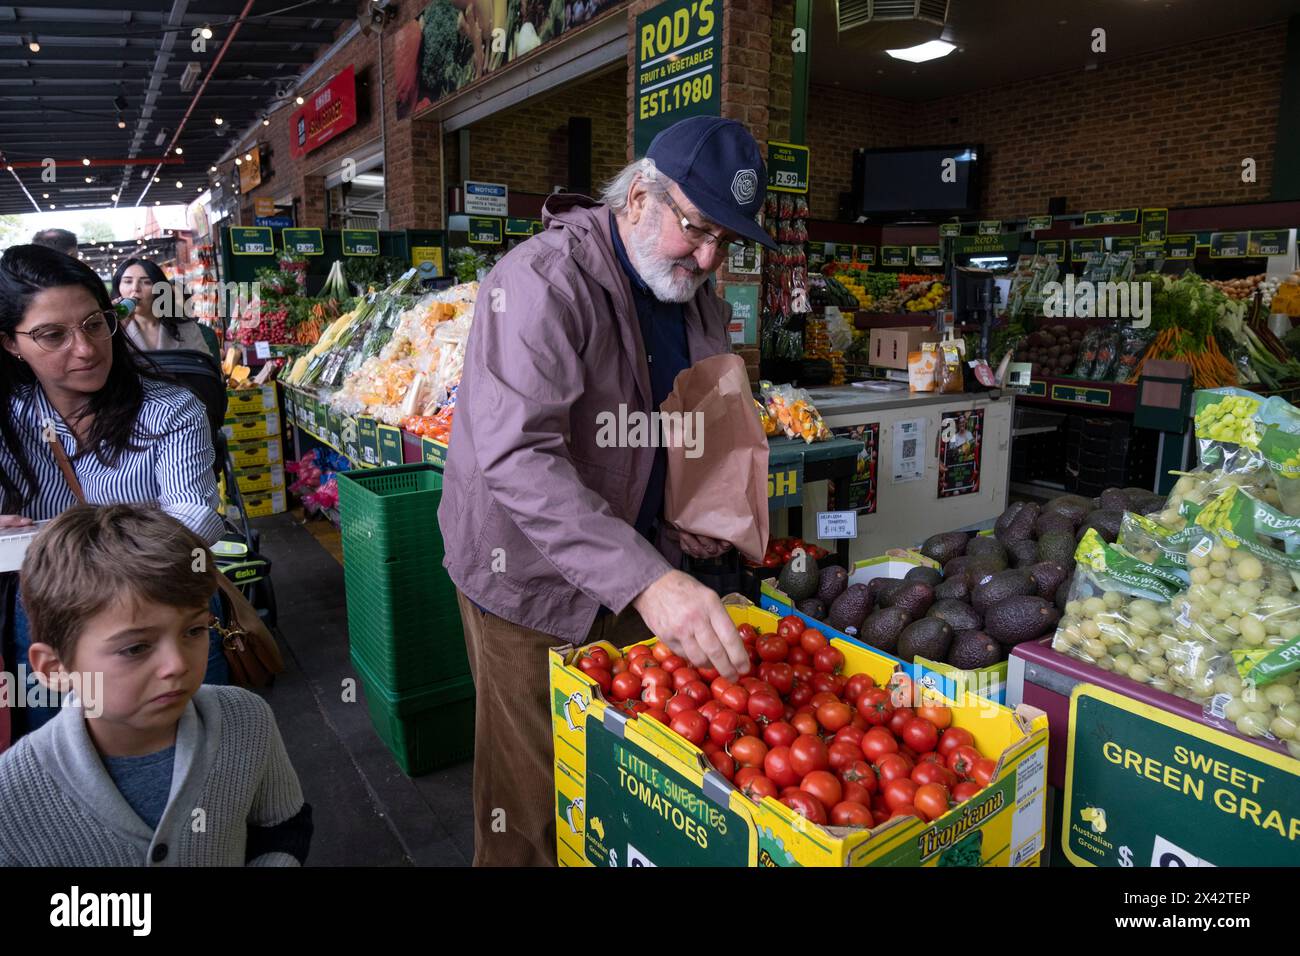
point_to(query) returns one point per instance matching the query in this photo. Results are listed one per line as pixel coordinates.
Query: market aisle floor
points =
(367, 812)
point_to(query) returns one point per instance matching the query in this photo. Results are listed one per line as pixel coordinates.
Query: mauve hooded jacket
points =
(536, 517)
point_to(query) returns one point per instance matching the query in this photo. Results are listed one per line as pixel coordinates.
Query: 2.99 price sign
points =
(678, 65)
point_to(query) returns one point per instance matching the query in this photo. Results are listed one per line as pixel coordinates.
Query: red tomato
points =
(747, 633)
(849, 735)
(893, 767)
(743, 774)
(931, 800)
(857, 793)
(806, 723)
(659, 714)
(723, 764)
(806, 805)
(673, 663)
(824, 786)
(678, 704)
(924, 773)
(657, 676)
(861, 773)
(874, 706)
(982, 772)
(753, 685)
(856, 686)
(723, 727)
(619, 666)
(962, 760)
(801, 694)
(908, 758)
(829, 660)
(778, 768)
(812, 641)
(735, 698)
(765, 707)
(772, 647)
(625, 686)
(850, 813)
(758, 787)
(717, 686)
(899, 793)
(822, 697)
(920, 735)
(697, 691)
(808, 753)
(837, 684)
(661, 652)
(602, 677)
(708, 674)
(834, 716)
(936, 714)
(779, 733)
(656, 695)
(798, 657)
(691, 725)
(643, 662)
(598, 655)
(898, 720)
(877, 742)
(790, 627)
(748, 726)
(931, 756)
(637, 650)
(683, 676)
(952, 738)
(749, 751)
(824, 683)
(965, 790)
(711, 709)
(906, 810)
(859, 722)
(842, 753)
(781, 677)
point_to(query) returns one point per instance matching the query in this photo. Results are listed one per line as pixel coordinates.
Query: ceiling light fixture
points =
(179, 184)
(238, 162)
(299, 101)
(33, 45)
(206, 32)
(922, 52)
(218, 120)
(213, 169)
(90, 179)
(45, 195)
(121, 123)
(266, 121)
(114, 197)
(85, 162)
(248, 157)
(179, 150)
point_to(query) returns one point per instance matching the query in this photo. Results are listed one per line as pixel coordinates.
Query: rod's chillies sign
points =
(326, 113)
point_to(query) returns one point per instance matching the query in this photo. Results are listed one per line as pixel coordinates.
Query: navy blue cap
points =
(717, 164)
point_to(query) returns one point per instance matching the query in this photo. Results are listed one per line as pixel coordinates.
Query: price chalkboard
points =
(1155, 223)
(303, 242)
(1110, 217)
(1124, 243)
(948, 230)
(390, 445)
(1180, 246)
(894, 255)
(927, 255)
(1052, 247)
(1039, 222)
(990, 227)
(361, 242)
(485, 231)
(1267, 242)
(1079, 248)
(433, 453)
(865, 254)
(519, 227)
(251, 241)
(368, 440)
(787, 168)
(1227, 245)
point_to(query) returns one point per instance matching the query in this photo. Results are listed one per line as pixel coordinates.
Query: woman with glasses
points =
(71, 384)
(156, 329)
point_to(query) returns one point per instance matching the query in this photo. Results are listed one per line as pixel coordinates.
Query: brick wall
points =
(781, 63)
(1165, 129)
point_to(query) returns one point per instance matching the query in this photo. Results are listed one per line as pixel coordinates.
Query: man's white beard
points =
(656, 270)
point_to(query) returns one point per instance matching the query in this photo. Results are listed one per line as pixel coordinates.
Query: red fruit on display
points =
(691, 725)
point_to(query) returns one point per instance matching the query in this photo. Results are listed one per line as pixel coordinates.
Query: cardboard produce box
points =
(889, 347)
(261, 504)
(255, 453)
(250, 401)
(630, 792)
(269, 477)
(259, 425)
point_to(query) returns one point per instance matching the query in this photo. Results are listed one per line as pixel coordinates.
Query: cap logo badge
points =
(744, 186)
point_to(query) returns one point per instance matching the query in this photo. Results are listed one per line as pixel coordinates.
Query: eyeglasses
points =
(97, 326)
(696, 235)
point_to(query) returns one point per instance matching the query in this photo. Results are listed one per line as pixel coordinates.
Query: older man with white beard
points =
(552, 536)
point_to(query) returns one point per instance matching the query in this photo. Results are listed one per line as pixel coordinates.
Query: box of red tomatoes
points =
(844, 761)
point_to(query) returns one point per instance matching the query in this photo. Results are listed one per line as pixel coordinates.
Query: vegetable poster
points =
(862, 486)
(961, 438)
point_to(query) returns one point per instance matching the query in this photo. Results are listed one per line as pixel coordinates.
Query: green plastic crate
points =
(425, 729)
(403, 618)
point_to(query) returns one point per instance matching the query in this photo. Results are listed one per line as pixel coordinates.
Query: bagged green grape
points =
(1154, 543)
(1281, 450)
(1226, 426)
(1195, 488)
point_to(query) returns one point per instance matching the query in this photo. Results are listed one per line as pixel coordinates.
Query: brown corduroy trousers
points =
(514, 764)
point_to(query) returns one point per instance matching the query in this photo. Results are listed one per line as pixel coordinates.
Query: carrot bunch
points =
(1210, 367)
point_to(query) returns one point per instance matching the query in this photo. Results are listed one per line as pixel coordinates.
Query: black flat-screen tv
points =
(917, 183)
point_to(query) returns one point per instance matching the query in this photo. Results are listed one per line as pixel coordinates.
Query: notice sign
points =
(787, 168)
(486, 199)
(678, 66)
(836, 525)
(909, 450)
(1145, 787)
(961, 439)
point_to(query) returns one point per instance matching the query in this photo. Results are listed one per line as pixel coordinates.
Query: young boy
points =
(146, 766)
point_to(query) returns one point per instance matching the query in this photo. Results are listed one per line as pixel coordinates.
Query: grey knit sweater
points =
(234, 800)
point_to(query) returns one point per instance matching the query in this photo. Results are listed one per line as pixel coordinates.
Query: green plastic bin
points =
(425, 729)
(403, 619)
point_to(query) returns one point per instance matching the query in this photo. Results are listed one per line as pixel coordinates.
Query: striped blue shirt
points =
(173, 471)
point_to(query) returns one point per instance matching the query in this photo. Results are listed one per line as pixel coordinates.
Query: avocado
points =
(1114, 499)
(1074, 507)
(1049, 521)
(886, 591)
(799, 578)
(849, 608)
(985, 544)
(1057, 547)
(913, 597)
(814, 608)
(1022, 526)
(953, 589)
(1048, 577)
(874, 587)
(1003, 585)
(959, 615)
(924, 575)
(928, 637)
(957, 568)
(1004, 520)
(943, 546)
(882, 627)
(1024, 552)
(1105, 522)
(831, 584)
(1020, 619)
(1144, 501)
(972, 650)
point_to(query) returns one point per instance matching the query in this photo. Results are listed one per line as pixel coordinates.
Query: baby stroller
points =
(237, 552)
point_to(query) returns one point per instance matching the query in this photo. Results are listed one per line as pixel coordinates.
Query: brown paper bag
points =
(717, 464)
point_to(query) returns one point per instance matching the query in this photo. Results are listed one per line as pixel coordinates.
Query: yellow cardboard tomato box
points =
(260, 478)
(260, 425)
(263, 503)
(630, 792)
(257, 453)
(250, 401)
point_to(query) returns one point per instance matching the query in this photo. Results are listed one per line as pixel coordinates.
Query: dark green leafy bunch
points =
(446, 50)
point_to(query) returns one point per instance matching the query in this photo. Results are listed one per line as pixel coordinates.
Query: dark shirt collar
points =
(638, 284)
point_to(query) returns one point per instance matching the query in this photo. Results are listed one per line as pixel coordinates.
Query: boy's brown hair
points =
(92, 555)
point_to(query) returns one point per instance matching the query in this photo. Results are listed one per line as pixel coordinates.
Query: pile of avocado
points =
(993, 592)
